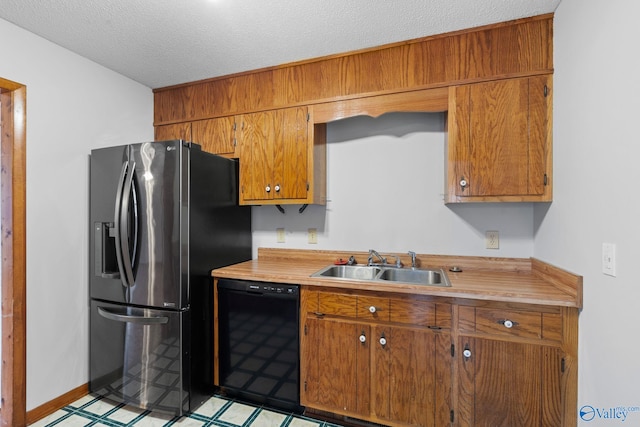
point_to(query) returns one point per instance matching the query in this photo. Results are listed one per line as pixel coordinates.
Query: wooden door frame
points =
(13, 210)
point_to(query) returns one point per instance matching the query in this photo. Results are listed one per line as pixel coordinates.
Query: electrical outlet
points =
(313, 236)
(280, 235)
(492, 239)
(609, 259)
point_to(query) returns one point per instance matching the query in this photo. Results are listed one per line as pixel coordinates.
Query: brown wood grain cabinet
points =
(173, 131)
(216, 135)
(362, 356)
(282, 157)
(499, 141)
(511, 368)
(489, 78)
(420, 361)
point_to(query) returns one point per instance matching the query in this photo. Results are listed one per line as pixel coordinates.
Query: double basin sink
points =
(385, 274)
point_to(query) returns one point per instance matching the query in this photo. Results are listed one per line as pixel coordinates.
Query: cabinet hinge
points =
(453, 350)
(235, 142)
(546, 179)
(235, 125)
(305, 386)
(546, 90)
(308, 117)
(305, 329)
(562, 365)
(451, 415)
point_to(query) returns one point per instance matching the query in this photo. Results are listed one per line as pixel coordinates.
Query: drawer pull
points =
(318, 313)
(466, 353)
(363, 338)
(508, 323)
(372, 309)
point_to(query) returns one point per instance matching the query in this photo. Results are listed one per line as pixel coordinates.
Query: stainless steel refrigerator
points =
(162, 216)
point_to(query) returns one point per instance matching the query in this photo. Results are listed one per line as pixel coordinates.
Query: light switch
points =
(609, 259)
(280, 235)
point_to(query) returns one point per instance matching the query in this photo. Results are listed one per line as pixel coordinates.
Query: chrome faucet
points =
(383, 260)
(372, 253)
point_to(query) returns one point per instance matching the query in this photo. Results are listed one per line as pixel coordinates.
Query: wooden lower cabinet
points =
(411, 376)
(337, 366)
(409, 360)
(360, 364)
(505, 384)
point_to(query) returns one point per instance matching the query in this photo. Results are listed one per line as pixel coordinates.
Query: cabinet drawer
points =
(337, 304)
(420, 313)
(373, 308)
(515, 323)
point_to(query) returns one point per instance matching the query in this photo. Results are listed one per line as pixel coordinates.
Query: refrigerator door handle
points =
(124, 226)
(127, 318)
(117, 226)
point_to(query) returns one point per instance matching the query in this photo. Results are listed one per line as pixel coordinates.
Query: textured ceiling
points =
(165, 42)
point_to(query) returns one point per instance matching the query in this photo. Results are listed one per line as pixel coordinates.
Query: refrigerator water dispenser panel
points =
(106, 264)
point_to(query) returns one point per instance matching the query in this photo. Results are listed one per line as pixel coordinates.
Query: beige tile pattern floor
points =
(217, 411)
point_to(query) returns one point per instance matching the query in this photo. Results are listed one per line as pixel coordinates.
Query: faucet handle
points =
(413, 258)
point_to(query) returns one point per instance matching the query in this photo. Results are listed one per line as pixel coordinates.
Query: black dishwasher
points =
(258, 342)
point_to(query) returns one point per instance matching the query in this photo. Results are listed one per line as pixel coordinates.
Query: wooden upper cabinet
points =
(516, 48)
(283, 157)
(216, 136)
(499, 141)
(173, 131)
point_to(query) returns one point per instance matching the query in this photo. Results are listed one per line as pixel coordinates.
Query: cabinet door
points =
(257, 131)
(216, 136)
(291, 171)
(509, 384)
(274, 155)
(499, 142)
(411, 375)
(174, 131)
(337, 366)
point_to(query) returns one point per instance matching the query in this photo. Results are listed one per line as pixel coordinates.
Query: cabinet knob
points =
(463, 183)
(466, 353)
(372, 309)
(267, 188)
(363, 338)
(508, 323)
(383, 341)
(277, 188)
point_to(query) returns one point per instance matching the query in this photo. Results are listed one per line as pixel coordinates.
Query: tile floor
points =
(217, 411)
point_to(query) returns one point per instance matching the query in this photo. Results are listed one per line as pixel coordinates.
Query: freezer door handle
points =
(127, 318)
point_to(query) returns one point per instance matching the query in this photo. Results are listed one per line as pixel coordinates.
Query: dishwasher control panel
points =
(258, 287)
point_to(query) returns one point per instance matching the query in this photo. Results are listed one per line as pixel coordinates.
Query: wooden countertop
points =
(511, 280)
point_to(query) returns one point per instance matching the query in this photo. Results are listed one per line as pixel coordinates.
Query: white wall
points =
(385, 191)
(596, 150)
(73, 105)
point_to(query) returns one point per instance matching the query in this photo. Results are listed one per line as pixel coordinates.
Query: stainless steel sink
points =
(374, 273)
(415, 276)
(353, 272)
